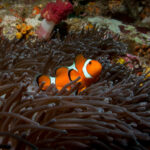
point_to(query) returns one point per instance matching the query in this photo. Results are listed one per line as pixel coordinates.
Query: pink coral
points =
(53, 13)
(130, 59)
(56, 11)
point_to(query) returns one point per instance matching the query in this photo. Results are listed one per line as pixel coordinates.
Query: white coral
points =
(9, 20)
(34, 22)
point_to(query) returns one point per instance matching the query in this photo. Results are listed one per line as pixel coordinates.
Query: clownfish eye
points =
(90, 62)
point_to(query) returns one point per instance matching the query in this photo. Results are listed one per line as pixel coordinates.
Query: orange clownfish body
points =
(88, 70)
(61, 79)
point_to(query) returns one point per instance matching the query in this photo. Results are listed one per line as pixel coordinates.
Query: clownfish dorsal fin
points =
(44, 78)
(79, 62)
(61, 71)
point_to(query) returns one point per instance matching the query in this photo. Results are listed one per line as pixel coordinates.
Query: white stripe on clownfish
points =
(84, 69)
(52, 80)
(73, 66)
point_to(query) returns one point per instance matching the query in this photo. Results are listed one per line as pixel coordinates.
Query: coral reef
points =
(35, 22)
(127, 32)
(9, 26)
(24, 30)
(52, 14)
(111, 114)
(142, 50)
(93, 9)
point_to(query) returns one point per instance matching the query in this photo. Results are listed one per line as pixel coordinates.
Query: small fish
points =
(88, 70)
(36, 11)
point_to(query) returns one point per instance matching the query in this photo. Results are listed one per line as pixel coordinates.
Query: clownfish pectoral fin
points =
(62, 77)
(43, 79)
(73, 75)
(79, 62)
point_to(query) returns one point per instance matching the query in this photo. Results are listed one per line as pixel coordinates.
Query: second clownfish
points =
(88, 70)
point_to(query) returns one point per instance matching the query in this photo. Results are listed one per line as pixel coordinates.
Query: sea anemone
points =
(110, 114)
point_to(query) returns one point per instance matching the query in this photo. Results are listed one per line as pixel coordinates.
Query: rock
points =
(103, 22)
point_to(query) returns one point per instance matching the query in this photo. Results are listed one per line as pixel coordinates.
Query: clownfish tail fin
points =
(43, 80)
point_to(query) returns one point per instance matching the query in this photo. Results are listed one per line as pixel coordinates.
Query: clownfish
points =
(87, 69)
